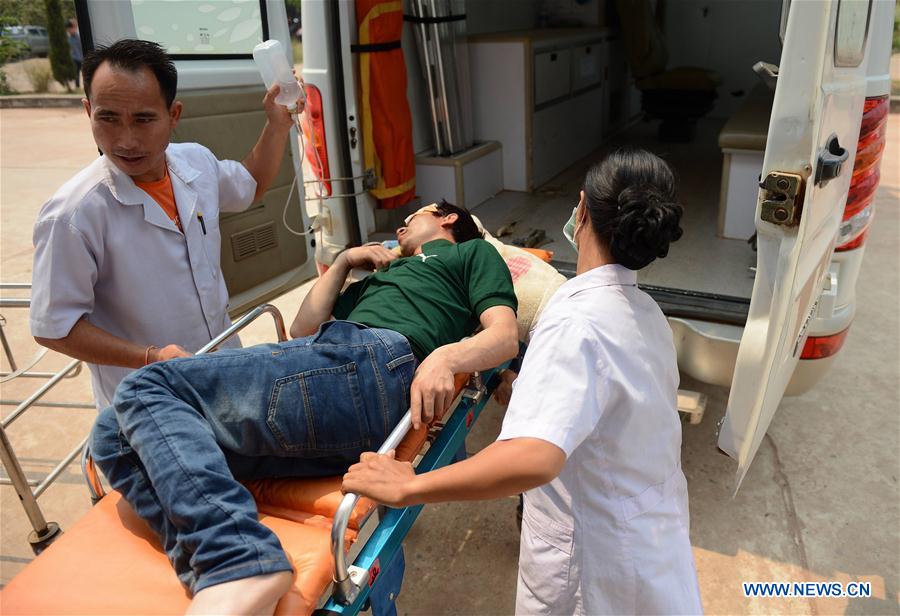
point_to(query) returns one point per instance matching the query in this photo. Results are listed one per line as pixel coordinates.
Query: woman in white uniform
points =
(592, 433)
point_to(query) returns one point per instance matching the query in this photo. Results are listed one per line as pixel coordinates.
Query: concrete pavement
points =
(821, 502)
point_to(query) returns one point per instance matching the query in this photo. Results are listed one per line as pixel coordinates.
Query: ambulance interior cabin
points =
(554, 84)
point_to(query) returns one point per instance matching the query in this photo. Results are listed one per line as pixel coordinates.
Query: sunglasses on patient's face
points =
(428, 209)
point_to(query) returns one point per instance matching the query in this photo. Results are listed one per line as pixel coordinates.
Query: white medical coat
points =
(609, 535)
(105, 250)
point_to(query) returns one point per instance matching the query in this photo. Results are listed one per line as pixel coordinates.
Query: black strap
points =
(371, 47)
(433, 20)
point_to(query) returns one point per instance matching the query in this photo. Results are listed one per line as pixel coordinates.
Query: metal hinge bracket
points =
(782, 197)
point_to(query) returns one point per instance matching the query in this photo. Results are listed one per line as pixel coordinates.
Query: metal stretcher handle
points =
(243, 322)
(89, 470)
(345, 588)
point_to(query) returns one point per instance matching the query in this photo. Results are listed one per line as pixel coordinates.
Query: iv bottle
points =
(273, 66)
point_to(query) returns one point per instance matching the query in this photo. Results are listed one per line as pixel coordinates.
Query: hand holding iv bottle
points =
(273, 65)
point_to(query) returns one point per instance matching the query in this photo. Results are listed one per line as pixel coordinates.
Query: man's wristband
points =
(147, 353)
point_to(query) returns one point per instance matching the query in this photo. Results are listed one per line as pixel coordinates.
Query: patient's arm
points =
(319, 302)
(433, 388)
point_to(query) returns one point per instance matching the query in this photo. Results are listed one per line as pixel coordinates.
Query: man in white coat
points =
(126, 263)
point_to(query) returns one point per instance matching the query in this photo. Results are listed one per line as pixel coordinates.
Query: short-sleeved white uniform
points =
(609, 535)
(105, 250)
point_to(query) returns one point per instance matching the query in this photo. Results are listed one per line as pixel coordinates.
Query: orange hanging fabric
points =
(386, 119)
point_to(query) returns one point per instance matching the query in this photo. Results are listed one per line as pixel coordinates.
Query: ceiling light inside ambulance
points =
(866, 174)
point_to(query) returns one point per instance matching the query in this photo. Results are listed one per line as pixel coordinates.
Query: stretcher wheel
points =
(40, 541)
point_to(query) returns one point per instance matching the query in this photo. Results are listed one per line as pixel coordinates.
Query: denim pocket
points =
(319, 411)
(405, 369)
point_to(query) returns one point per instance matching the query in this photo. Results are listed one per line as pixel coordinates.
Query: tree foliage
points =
(9, 49)
(60, 54)
(31, 12)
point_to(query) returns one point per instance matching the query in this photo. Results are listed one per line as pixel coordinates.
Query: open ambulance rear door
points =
(810, 149)
(339, 205)
(212, 42)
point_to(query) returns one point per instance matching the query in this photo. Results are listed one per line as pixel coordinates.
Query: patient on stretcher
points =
(182, 434)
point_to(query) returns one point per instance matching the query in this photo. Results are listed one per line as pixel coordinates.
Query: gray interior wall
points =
(501, 15)
(727, 36)
(575, 12)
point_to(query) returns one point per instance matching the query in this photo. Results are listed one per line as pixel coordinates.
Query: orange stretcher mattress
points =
(110, 562)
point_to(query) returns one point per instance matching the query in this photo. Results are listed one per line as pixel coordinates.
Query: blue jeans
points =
(181, 435)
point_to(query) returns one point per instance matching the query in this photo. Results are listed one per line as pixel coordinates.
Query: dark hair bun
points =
(647, 222)
(630, 197)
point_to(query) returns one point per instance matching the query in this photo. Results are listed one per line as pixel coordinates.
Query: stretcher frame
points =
(29, 490)
(382, 532)
(352, 584)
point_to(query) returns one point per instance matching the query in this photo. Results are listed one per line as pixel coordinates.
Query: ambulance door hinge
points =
(781, 198)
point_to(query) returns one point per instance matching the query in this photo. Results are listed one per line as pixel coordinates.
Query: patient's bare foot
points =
(252, 596)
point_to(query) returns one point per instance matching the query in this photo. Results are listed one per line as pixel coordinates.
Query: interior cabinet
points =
(552, 78)
(543, 94)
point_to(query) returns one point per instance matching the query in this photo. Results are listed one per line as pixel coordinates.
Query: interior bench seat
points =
(748, 127)
(743, 143)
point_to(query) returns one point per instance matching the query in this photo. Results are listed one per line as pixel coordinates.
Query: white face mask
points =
(569, 229)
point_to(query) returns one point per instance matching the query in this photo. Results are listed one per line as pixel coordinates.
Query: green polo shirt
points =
(433, 298)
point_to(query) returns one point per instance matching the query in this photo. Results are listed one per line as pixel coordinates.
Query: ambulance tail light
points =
(316, 149)
(820, 347)
(866, 174)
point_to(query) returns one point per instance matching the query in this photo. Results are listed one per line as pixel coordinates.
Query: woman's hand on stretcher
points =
(432, 390)
(381, 478)
(501, 469)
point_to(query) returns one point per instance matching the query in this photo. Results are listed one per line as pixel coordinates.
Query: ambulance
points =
(773, 114)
